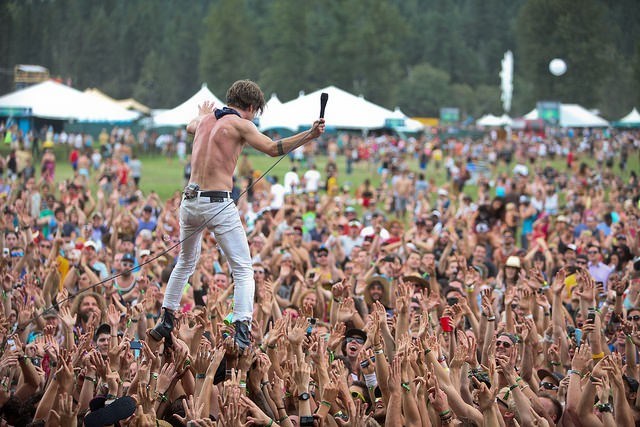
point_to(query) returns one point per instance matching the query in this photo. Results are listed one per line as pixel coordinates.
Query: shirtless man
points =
(402, 189)
(220, 136)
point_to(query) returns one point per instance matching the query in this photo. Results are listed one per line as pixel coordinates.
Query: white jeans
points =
(232, 239)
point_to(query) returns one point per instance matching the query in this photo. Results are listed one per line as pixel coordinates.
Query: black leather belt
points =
(215, 196)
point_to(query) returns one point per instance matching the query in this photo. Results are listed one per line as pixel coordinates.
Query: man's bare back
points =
(217, 144)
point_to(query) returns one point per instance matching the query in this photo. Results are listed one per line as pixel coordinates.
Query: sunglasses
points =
(504, 344)
(358, 395)
(634, 318)
(548, 386)
(593, 252)
(359, 340)
(45, 246)
(321, 255)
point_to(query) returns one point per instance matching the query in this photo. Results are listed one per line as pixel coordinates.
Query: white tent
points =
(344, 111)
(275, 116)
(183, 113)
(630, 120)
(410, 125)
(494, 121)
(574, 116)
(53, 100)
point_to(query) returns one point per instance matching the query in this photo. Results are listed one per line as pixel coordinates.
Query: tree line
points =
(419, 55)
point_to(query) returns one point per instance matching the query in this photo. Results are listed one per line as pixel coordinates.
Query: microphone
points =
(324, 97)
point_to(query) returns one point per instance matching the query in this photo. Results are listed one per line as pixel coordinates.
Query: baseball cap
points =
(322, 249)
(443, 192)
(354, 223)
(91, 244)
(128, 257)
(562, 218)
(572, 247)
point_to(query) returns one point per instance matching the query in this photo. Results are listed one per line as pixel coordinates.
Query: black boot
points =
(164, 327)
(243, 334)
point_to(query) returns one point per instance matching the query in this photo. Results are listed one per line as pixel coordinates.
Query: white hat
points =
(443, 192)
(91, 244)
(513, 261)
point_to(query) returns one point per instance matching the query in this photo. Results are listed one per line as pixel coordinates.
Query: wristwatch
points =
(304, 396)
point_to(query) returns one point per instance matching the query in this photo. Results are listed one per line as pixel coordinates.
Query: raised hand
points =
(191, 411)
(167, 374)
(298, 331)
(207, 107)
(336, 336)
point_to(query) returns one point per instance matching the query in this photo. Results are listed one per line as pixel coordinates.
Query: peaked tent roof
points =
(491, 120)
(574, 116)
(275, 116)
(344, 111)
(53, 100)
(183, 113)
(127, 104)
(630, 120)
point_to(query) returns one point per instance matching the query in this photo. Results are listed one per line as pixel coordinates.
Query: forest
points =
(420, 55)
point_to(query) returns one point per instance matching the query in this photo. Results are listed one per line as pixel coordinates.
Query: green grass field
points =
(166, 177)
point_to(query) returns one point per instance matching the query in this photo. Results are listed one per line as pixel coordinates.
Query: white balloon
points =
(557, 67)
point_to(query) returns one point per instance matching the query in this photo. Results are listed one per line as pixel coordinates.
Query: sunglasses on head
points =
(504, 344)
(634, 318)
(359, 340)
(548, 386)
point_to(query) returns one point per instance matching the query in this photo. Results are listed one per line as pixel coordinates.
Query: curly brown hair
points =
(244, 94)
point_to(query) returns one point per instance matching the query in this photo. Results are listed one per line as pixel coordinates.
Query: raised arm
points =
(263, 143)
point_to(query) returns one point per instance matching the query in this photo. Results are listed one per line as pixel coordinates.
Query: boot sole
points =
(155, 335)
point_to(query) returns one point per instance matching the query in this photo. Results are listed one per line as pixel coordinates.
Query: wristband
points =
(93, 380)
(154, 375)
(270, 422)
(200, 376)
(381, 351)
(552, 363)
(445, 413)
(491, 319)
(573, 371)
(406, 386)
(325, 403)
(371, 380)
(598, 355)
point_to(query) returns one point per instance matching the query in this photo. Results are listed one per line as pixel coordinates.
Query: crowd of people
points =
(488, 298)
